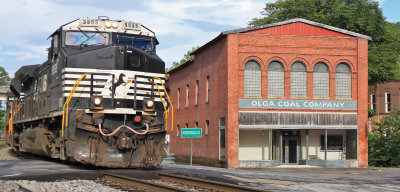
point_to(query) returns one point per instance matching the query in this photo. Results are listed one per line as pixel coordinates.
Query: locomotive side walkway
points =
(271, 179)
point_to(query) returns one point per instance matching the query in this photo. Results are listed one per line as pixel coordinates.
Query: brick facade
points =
(223, 60)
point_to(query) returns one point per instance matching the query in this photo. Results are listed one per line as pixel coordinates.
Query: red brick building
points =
(275, 94)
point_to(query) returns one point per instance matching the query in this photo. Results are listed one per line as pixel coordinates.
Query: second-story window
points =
(187, 95)
(373, 101)
(298, 80)
(252, 79)
(179, 97)
(197, 93)
(321, 81)
(208, 89)
(387, 102)
(275, 79)
(343, 81)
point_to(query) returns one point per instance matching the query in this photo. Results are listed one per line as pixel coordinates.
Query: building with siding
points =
(274, 94)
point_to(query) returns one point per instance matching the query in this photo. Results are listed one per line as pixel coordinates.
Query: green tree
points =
(4, 80)
(384, 141)
(186, 57)
(384, 56)
(361, 16)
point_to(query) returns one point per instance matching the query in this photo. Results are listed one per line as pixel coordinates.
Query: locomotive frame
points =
(99, 98)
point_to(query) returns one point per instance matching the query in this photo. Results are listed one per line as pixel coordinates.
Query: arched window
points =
(343, 81)
(252, 79)
(321, 80)
(298, 80)
(275, 79)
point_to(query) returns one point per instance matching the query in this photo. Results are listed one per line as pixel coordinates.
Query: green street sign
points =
(190, 132)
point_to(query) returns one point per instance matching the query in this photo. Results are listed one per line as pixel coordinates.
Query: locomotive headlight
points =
(114, 25)
(149, 103)
(108, 24)
(97, 101)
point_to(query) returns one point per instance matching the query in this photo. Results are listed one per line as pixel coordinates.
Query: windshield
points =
(86, 38)
(141, 42)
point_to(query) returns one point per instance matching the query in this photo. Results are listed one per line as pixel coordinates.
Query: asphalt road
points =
(271, 179)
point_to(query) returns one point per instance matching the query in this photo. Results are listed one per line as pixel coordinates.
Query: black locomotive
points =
(98, 99)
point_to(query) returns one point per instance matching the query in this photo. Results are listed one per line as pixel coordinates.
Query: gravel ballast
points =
(58, 186)
(6, 154)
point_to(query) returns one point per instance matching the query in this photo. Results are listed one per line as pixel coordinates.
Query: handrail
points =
(123, 126)
(66, 104)
(10, 125)
(166, 112)
(12, 114)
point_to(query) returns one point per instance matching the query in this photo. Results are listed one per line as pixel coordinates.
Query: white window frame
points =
(372, 101)
(387, 104)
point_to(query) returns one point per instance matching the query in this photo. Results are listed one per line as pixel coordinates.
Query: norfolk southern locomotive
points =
(99, 98)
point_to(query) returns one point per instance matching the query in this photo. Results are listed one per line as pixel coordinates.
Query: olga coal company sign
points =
(297, 104)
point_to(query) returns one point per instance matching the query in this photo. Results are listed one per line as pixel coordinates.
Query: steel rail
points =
(141, 184)
(205, 183)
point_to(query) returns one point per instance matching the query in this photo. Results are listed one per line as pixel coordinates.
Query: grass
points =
(2, 143)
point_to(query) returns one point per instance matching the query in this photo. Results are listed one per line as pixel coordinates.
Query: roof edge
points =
(246, 29)
(180, 66)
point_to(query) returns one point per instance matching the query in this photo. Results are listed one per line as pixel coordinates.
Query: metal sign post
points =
(191, 133)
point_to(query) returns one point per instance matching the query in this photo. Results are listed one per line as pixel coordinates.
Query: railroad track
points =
(165, 178)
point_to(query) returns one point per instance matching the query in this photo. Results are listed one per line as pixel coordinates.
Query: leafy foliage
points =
(371, 112)
(361, 16)
(4, 80)
(384, 141)
(2, 121)
(384, 56)
(186, 57)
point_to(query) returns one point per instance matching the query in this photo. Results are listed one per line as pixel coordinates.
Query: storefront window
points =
(335, 142)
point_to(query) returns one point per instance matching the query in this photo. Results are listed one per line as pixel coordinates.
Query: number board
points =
(190, 132)
(89, 22)
(131, 25)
